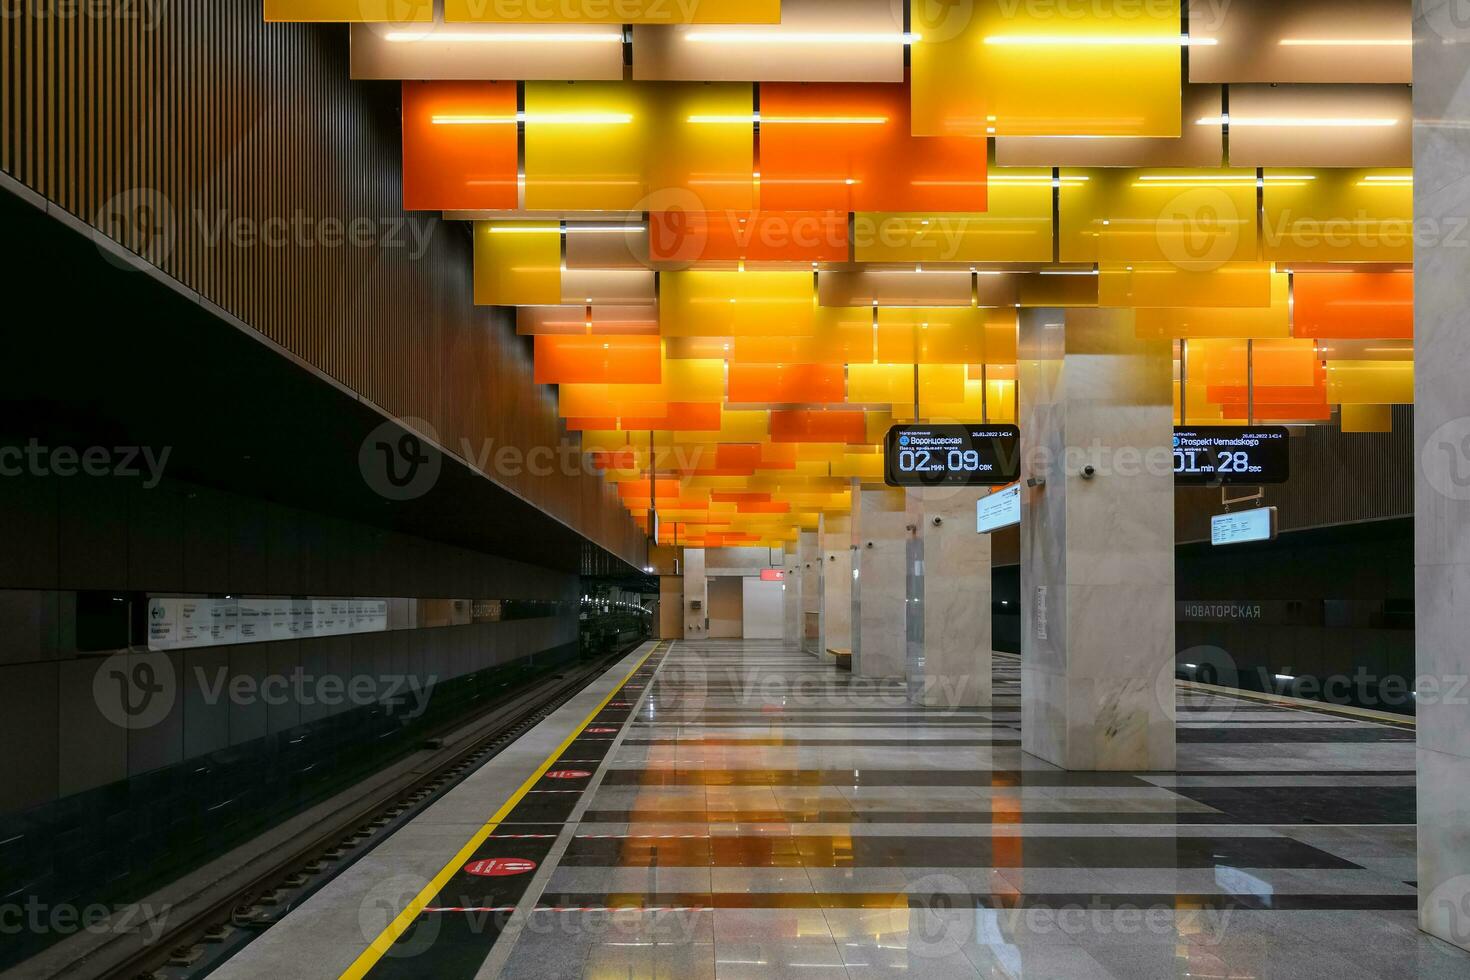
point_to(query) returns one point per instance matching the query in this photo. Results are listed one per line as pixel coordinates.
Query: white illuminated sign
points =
(1000, 509)
(1243, 527)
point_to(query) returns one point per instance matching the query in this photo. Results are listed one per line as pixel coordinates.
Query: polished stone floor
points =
(762, 815)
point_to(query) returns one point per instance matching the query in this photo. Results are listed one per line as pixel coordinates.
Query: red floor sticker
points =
(568, 774)
(602, 731)
(500, 867)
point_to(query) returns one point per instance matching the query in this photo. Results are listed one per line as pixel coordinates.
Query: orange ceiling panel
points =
(545, 321)
(850, 148)
(804, 426)
(787, 383)
(460, 146)
(1354, 305)
(684, 237)
(598, 360)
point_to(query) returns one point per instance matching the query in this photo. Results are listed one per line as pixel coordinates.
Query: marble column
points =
(696, 594)
(836, 555)
(791, 594)
(880, 540)
(1442, 490)
(809, 554)
(948, 574)
(1097, 552)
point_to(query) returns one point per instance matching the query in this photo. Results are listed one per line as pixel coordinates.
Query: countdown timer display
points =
(952, 455)
(1225, 454)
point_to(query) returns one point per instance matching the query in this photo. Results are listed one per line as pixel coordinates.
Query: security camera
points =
(938, 521)
(1088, 472)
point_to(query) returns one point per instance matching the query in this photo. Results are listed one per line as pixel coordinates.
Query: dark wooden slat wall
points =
(202, 107)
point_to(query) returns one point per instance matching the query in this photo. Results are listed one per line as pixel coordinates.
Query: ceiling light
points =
(1346, 42)
(544, 119)
(1294, 121)
(501, 37)
(798, 37)
(1101, 41)
(792, 120)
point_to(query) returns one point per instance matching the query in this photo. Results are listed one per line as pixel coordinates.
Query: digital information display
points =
(1223, 455)
(1000, 509)
(952, 455)
(1243, 527)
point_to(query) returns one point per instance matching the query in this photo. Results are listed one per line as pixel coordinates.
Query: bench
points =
(842, 657)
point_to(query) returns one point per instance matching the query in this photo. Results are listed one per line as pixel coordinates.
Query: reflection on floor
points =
(762, 815)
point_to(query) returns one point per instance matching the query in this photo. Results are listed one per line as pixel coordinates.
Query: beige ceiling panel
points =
(612, 287)
(1197, 146)
(816, 41)
(894, 287)
(1300, 41)
(607, 246)
(442, 51)
(1313, 126)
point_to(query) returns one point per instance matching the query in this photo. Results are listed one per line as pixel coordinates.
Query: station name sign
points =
(952, 455)
(1221, 455)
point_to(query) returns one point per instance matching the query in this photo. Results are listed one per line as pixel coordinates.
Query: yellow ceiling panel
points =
(1047, 69)
(1159, 284)
(350, 11)
(639, 146)
(1339, 216)
(614, 11)
(1258, 322)
(697, 303)
(1370, 382)
(1016, 227)
(1196, 220)
(517, 263)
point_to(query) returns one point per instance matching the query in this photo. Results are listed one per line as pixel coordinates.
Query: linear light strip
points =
(1305, 122)
(798, 37)
(1101, 41)
(488, 37)
(1345, 42)
(548, 119)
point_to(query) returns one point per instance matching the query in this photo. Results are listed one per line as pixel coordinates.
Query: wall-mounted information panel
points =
(1000, 509)
(952, 455)
(1243, 527)
(1220, 455)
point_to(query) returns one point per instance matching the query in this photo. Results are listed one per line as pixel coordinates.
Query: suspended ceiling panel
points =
(486, 51)
(1011, 69)
(614, 11)
(1300, 41)
(816, 41)
(349, 11)
(1321, 126)
(1196, 146)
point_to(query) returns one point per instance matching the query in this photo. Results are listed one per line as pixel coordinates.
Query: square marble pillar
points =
(791, 595)
(949, 600)
(1097, 553)
(880, 541)
(1442, 488)
(836, 556)
(696, 595)
(809, 555)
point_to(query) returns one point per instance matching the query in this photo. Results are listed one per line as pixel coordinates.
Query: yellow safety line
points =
(399, 925)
